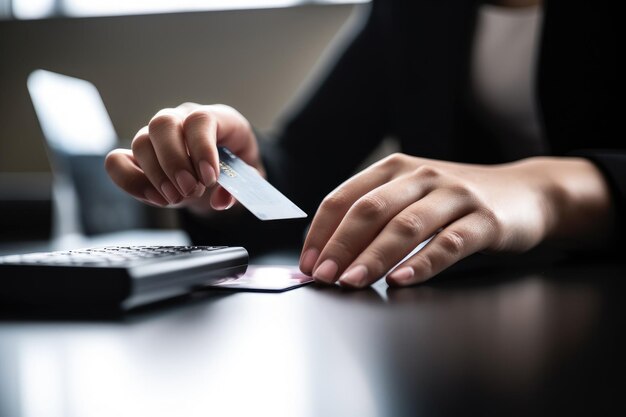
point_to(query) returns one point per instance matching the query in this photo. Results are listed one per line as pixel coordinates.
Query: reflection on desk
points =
(493, 343)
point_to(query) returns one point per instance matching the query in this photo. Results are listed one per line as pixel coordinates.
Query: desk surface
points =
(542, 341)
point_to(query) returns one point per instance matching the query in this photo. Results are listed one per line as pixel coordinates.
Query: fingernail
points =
(402, 274)
(170, 192)
(207, 172)
(154, 197)
(326, 271)
(186, 182)
(232, 203)
(355, 277)
(307, 262)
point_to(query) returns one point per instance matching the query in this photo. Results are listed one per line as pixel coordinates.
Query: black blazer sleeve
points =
(580, 86)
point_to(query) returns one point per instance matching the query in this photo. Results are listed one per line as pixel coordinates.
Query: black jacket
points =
(406, 75)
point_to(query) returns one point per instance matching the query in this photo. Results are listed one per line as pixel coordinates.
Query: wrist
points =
(575, 197)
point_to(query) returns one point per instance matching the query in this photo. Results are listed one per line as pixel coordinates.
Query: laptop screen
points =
(71, 113)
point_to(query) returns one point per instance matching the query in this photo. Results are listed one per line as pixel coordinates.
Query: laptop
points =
(78, 134)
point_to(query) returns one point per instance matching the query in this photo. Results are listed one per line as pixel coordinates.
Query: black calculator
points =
(121, 277)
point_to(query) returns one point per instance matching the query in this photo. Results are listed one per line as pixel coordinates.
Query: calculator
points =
(121, 277)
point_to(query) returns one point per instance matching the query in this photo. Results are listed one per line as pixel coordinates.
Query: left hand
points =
(373, 220)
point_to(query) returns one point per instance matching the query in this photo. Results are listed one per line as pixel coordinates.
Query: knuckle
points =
(139, 142)
(163, 122)
(188, 105)
(341, 249)
(428, 172)
(142, 132)
(493, 220)
(490, 216)
(198, 116)
(452, 242)
(407, 224)
(336, 201)
(393, 161)
(112, 160)
(371, 206)
(463, 191)
(378, 263)
(423, 265)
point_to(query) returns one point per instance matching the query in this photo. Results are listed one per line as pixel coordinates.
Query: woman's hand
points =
(376, 218)
(174, 159)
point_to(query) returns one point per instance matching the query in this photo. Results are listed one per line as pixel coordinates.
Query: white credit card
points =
(270, 278)
(253, 191)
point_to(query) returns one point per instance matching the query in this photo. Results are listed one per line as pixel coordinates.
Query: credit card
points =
(265, 278)
(253, 191)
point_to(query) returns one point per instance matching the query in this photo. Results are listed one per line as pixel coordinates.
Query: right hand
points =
(173, 161)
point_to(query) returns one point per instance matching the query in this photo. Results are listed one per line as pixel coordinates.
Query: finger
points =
(146, 158)
(403, 233)
(126, 174)
(335, 206)
(166, 135)
(221, 199)
(200, 131)
(235, 132)
(363, 222)
(462, 238)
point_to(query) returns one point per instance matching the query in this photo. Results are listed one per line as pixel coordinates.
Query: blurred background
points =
(259, 56)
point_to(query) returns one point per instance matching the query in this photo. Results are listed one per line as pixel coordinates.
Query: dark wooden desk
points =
(539, 341)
